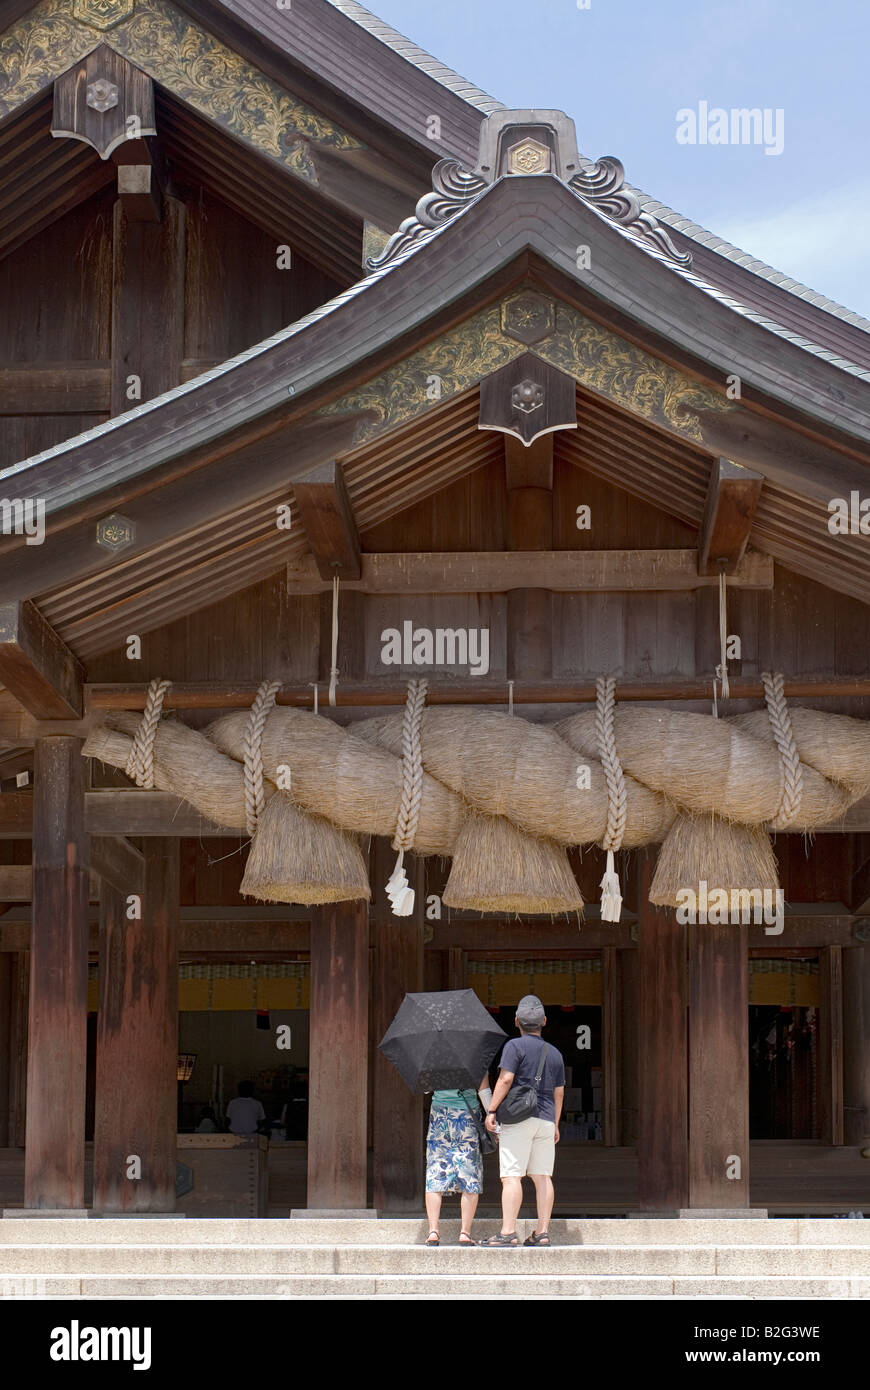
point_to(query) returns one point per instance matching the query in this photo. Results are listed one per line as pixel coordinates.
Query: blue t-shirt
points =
(522, 1056)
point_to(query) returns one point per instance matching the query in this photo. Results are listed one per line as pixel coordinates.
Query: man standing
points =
(528, 1148)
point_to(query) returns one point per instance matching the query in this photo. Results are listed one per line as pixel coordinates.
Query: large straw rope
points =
(255, 797)
(605, 690)
(140, 764)
(780, 722)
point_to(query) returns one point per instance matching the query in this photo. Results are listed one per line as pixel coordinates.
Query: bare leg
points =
(511, 1201)
(433, 1209)
(468, 1203)
(544, 1198)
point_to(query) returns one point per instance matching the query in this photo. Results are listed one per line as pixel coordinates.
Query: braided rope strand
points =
(140, 764)
(412, 766)
(252, 747)
(783, 733)
(605, 692)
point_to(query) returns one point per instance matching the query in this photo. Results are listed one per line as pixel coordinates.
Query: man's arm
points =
(558, 1102)
(502, 1086)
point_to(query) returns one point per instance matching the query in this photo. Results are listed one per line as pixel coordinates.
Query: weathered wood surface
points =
(718, 1066)
(732, 500)
(147, 305)
(75, 119)
(58, 388)
(856, 1046)
(338, 1056)
(36, 666)
(57, 1026)
(558, 570)
(118, 862)
(19, 1007)
(327, 518)
(831, 1038)
(137, 1042)
(663, 1150)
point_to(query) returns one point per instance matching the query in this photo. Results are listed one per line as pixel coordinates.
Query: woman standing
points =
(453, 1159)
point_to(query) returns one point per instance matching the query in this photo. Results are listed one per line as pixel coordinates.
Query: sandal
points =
(535, 1239)
(434, 1239)
(465, 1240)
(508, 1239)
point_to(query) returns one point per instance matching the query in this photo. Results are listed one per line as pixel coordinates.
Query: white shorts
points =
(528, 1148)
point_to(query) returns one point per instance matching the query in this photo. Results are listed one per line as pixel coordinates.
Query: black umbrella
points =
(444, 1040)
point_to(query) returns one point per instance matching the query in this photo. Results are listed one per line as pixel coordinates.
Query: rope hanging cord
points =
(722, 668)
(401, 896)
(255, 798)
(611, 895)
(140, 764)
(333, 670)
(783, 733)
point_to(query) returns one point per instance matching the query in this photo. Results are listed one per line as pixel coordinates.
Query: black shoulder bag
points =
(486, 1140)
(521, 1102)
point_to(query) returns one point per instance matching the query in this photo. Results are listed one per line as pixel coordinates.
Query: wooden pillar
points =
(831, 1044)
(147, 305)
(663, 1151)
(399, 1159)
(856, 1045)
(18, 1048)
(529, 474)
(610, 1016)
(54, 1161)
(718, 1065)
(338, 1056)
(137, 1040)
(628, 1051)
(7, 962)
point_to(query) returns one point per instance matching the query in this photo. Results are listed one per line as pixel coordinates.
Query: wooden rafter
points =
(118, 862)
(327, 518)
(36, 666)
(732, 499)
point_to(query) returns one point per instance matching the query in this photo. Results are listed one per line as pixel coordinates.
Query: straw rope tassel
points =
(140, 764)
(401, 896)
(611, 893)
(792, 772)
(333, 671)
(255, 799)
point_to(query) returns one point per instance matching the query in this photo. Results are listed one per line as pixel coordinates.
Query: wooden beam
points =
(116, 812)
(140, 191)
(530, 528)
(147, 305)
(860, 896)
(562, 571)
(54, 1161)
(530, 466)
(338, 1056)
(55, 388)
(856, 1046)
(36, 666)
(327, 518)
(732, 499)
(16, 884)
(118, 863)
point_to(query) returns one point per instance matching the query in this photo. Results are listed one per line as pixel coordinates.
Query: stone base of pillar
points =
(723, 1213)
(45, 1214)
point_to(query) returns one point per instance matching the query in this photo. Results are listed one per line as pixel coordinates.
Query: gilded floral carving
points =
(183, 57)
(596, 358)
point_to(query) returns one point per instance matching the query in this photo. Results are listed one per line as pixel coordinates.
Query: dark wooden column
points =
(856, 1045)
(137, 1040)
(18, 1048)
(831, 1044)
(338, 1056)
(662, 1151)
(397, 1129)
(54, 1163)
(147, 305)
(7, 961)
(718, 1065)
(529, 475)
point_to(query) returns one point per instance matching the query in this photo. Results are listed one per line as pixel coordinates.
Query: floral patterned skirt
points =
(453, 1159)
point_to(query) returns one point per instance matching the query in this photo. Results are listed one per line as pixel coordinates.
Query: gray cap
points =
(530, 1011)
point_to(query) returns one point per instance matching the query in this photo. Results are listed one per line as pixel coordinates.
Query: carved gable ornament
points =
(528, 142)
(528, 398)
(102, 14)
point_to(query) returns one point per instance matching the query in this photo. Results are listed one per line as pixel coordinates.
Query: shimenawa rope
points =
(401, 896)
(611, 893)
(255, 799)
(140, 764)
(792, 772)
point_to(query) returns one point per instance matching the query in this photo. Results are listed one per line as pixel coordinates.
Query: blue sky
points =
(623, 69)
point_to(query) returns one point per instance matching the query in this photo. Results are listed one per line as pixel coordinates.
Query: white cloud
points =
(820, 239)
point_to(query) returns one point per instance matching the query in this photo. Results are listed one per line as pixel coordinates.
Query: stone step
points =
(189, 1261)
(788, 1232)
(441, 1287)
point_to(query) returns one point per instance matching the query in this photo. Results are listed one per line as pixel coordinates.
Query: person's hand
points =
(490, 1123)
(556, 1135)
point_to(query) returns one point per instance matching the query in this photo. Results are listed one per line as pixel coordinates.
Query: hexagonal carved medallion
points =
(102, 14)
(528, 317)
(115, 532)
(529, 157)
